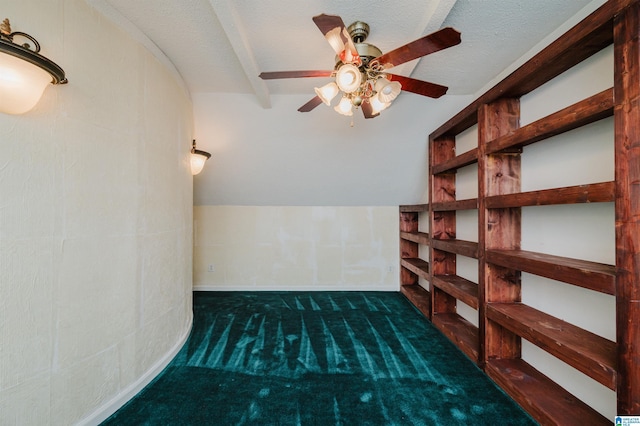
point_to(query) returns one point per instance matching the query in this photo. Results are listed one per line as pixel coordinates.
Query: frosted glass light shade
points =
(334, 38)
(387, 90)
(348, 78)
(21, 84)
(197, 163)
(198, 158)
(327, 92)
(24, 73)
(377, 105)
(344, 107)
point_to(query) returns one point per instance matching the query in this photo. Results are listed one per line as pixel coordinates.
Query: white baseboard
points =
(393, 287)
(103, 412)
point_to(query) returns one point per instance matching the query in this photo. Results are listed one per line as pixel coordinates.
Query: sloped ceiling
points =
(222, 45)
(219, 47)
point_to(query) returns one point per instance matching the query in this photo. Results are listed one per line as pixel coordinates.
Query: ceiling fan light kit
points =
(360, 70)
(348, 78)
(387, 90)
(327, 92)
(344, 107)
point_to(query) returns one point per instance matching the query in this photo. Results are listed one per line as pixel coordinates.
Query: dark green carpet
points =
(317, 358)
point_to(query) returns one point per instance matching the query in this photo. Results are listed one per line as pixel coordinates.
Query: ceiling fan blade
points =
(333, 29)
(310, 105)
(367, 110)
(420, 87)
(431, 43)
(294, 74)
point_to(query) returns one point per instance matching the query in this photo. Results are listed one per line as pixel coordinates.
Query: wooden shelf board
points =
(465, 248)
(587, 111)
(444, 206)
(544, 399)
(416, 237)
(417, 266)
(415, 208)
(591, 275)
(419, 297)
(588, 37)
(459, 331)
(589, 353)
(590, 193)
(458, 287)
(457, 162)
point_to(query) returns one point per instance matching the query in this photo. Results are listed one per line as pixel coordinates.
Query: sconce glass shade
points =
(348, 78)
(327, 92)
(344, 107)
(387, 90)
(198, 158)
(197, 162)
(24, 73)
(21, 85)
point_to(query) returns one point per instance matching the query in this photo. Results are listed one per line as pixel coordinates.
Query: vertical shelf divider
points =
(442, 224)
(627, 165)
(498, 174)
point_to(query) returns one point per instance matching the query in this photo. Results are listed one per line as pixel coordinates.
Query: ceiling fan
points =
(361, 69)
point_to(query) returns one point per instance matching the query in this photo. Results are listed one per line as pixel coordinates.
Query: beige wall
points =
(296, 248)
(95, 221)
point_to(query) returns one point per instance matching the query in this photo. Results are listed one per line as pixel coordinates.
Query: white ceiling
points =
(222, 45)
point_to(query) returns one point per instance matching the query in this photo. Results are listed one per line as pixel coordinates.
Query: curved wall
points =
(95, 221)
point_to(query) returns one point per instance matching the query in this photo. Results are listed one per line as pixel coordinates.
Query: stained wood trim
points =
(415, 208)
(497, 229)
(460, 288)
(587, 111)
(465, 248)
(627, 158)
(547, 401)
(582, 273)
(457, 162)
(458, 330)
(470, 204)
(442, 224)
(589, 353)
(590, 193)
(416, 237)
(588, 37)
(417, 266)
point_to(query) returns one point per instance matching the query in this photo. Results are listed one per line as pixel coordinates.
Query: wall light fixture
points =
(24, 72)
(198, 158)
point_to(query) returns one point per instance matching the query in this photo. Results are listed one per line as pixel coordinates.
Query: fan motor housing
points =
(359, 31)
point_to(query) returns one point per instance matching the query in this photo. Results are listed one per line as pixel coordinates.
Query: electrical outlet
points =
(211, 268)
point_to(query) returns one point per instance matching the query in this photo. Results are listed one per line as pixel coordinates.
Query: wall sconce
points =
(24, 73)
(198, 158)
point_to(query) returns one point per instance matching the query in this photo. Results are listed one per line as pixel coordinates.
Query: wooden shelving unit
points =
(503, 319)
(411, 266)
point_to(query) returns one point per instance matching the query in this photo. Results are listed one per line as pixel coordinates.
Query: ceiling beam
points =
(237, 35)
(432, 21)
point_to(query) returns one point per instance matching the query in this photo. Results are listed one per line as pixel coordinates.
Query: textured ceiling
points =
(222, 46)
